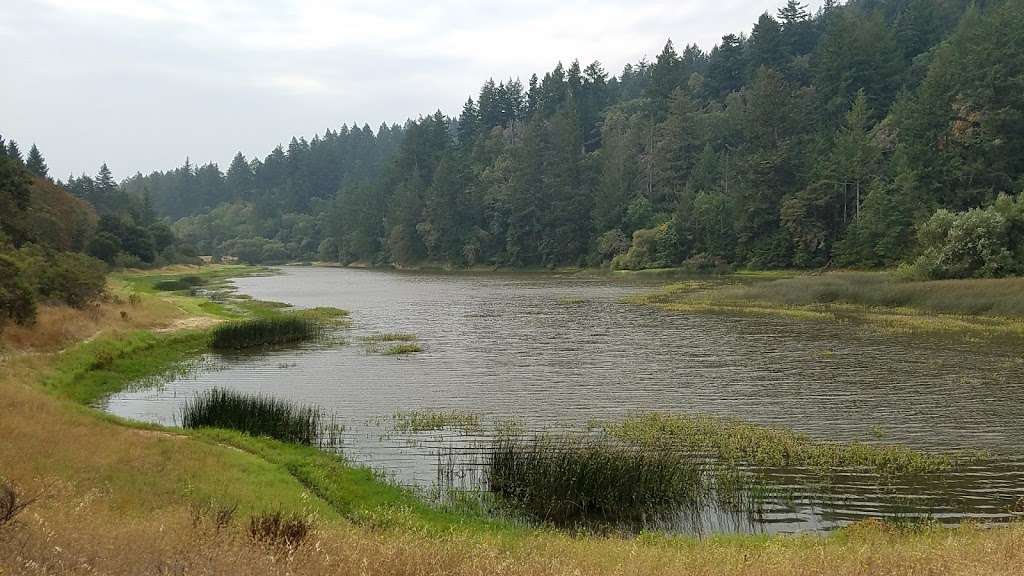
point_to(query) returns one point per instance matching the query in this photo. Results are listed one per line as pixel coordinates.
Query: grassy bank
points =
(977, 308)
(122, 498)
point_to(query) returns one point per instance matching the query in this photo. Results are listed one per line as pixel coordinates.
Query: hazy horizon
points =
(142, 85)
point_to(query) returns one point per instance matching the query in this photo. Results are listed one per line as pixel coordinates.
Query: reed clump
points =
(737, 442)
(566, 479)
(255, 415)
(255, 332)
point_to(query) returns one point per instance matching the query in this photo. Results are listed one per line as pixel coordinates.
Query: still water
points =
(559, 351)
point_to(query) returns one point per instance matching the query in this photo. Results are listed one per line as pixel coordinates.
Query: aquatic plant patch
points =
(735, 441)
(428, 420)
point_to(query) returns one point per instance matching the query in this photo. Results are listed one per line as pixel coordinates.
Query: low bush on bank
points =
(279, 529)
(17, 301)
(283, 329)
(572, 479)
(12, 504)
(982, 242)
(34, 274)
(254, 415)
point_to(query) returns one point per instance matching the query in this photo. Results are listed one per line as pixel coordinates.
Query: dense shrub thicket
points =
(53, 246)
(985, 242)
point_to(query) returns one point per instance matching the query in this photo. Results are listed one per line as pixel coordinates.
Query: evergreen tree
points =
(13, 152)
(240, 178)
(726, 67)
(767, 46)
(666, 76)
(36, 164)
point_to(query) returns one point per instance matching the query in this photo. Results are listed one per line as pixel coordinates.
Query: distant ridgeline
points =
(868, 134)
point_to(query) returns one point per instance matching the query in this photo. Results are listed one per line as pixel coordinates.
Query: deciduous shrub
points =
(17, 301)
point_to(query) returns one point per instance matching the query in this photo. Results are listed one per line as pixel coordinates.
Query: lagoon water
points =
(558, 351)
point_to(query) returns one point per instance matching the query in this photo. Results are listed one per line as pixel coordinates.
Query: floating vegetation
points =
(399, 349)
(256, 415)
(567, 479)
(283, 329)
(735, 441)
(429, 420)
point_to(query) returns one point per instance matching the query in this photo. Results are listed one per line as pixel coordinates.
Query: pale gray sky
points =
(143, 84)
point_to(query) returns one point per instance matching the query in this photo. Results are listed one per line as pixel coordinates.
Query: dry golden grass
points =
(57, 327)
(84, 537)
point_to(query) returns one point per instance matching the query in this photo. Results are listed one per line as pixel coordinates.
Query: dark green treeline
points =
(816, 139)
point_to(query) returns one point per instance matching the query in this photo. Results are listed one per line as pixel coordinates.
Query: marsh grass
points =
(429, 420)
(737, 442)
(569, 479)
(994, 297)
(178, 283)
(254, 415)
(282, 329)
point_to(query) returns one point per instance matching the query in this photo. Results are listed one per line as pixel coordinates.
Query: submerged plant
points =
(256, 415)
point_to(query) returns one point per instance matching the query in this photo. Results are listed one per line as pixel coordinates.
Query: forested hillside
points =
(816, 139)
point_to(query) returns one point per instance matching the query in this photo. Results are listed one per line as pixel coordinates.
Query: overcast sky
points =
(143, 84)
